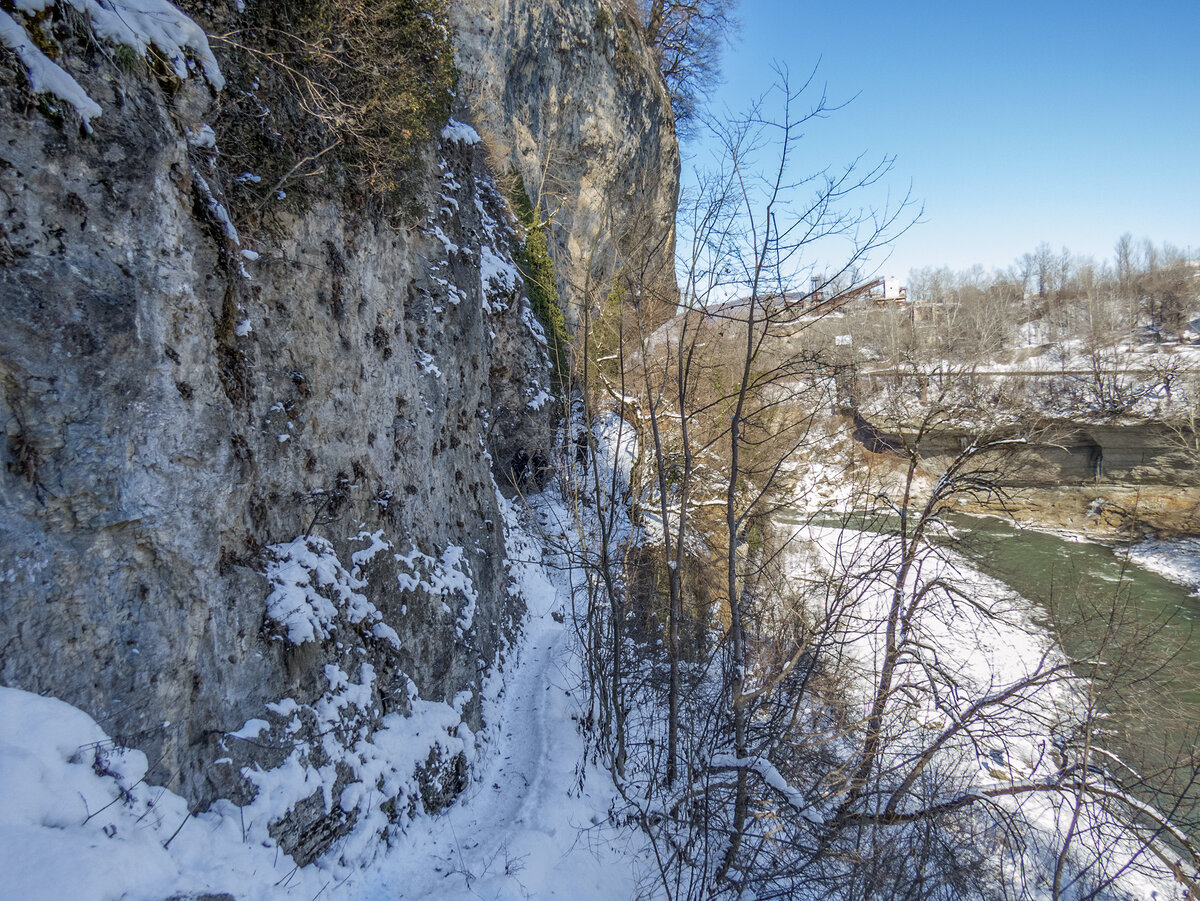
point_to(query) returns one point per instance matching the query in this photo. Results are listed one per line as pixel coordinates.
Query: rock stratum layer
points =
(1122, 478)
(249, 514)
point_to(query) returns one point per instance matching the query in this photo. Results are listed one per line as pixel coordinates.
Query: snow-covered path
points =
(533, 823)
(500, 836)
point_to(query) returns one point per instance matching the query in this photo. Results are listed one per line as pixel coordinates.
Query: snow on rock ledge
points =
(139, 24)
(46, 76)
(312, 590)
(460, 131)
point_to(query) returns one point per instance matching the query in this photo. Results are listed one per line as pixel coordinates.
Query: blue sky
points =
(1016, 122)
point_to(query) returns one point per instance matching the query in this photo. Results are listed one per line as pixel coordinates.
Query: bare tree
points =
(1167, 285)
(1123, 252)
(1184, 425)
(1043, 269)
(817, 726)
(689, 36)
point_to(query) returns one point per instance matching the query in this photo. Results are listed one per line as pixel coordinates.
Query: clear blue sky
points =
(1016, 122)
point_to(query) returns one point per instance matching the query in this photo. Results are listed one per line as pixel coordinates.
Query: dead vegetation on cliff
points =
(341, 93)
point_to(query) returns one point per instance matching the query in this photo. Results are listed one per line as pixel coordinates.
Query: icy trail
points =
(533, 823)
(505, 837)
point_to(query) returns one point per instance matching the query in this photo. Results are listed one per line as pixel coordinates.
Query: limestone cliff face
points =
(570, 98)
(249, 514)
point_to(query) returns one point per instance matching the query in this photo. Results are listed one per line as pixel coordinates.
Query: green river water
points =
(1080, 586)
(1073, 579)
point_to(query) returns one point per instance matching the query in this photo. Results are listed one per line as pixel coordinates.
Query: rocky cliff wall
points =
(569, 97)
(1124, 477)
(249, 516)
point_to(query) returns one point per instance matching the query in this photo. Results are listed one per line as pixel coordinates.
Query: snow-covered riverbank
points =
(986, 690)
(1177, 559)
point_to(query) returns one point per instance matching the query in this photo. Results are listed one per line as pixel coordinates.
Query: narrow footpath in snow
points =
(534, 822)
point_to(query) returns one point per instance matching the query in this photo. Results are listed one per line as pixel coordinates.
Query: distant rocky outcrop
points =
(1122, 477)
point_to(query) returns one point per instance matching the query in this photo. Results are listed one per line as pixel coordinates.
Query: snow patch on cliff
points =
(447, 577)
(139, 24)
(311, 589)
(460, 132)
(46, 76)
(371, 767)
